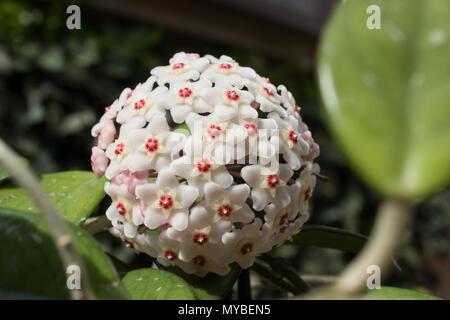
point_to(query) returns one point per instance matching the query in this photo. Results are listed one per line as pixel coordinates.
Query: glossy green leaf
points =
(173, 284)
(153, 284)
(182, 128)
(329, 237)
(386, 92)
(212, 286)
(75, 193)
(30, 265)
(392, 293)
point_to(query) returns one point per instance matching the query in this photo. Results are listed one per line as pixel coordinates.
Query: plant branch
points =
(283, 268)
(57, 226)
(274, 278)
(318, 280)
(97, 224)
(392, 220)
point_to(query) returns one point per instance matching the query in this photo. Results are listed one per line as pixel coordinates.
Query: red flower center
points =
(251, 129)
(214, 131)
(203, 165)
(120, 147)
(200, 238)
(152, 144)
(297, 109)
(170, 255)
(107, 109)
(224, 210)
(185, 93)
(199, 260)
(178, 66)
(139, 105)
(232, 95)
(247, 248)
(225, 66)
(272, 180)
(121, 208)
(165, 201)
(293, 136)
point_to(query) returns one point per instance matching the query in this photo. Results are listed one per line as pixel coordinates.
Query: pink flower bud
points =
(99, 161)
(107, 134)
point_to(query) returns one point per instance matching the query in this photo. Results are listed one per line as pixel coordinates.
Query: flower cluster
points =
(208, 164)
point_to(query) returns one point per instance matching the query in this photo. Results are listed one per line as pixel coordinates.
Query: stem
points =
(393, 218)
(318, 280)
(274, 278)
(97, 224)
(57, 226)
(244, 290)
(283, 268)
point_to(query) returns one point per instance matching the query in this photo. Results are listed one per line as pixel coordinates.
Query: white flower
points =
(214, 138)
(125, 209)
(154, 146)
(167, 201)
(202, 237)
(307, 182)
(141, 149)
(291, 229)
(137, 243)
(200, 265)
(198, 171)
(247, 243)
(192, 157)
(228, 204)
(230, 102)
(184, 98)
(181, 69)
(111, 111)
(258, 135)
(140, 106)
(267, 185)
(227, 72)
(290, 142)
(266, 95)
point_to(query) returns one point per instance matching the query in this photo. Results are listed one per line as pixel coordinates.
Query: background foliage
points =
(55, 83)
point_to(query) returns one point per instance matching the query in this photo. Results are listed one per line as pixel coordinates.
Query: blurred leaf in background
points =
(386, 93)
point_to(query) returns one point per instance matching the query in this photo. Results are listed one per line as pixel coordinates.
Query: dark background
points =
(55, 84)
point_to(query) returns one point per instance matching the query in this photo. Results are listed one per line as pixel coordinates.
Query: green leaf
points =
(392, 293)
(212, 286)
(182, 128)
(173, 284)
(329, 237)
(75, 193)
(30, 265)
(386, 93)
(153, 284)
